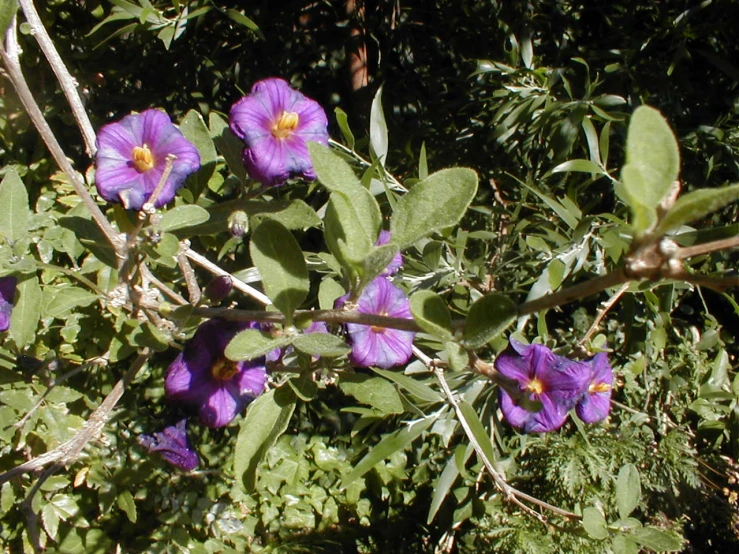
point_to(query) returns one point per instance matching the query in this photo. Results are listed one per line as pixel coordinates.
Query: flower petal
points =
(220, 408)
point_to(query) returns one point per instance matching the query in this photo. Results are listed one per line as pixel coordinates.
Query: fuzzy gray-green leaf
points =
(431, 314)
(488, 317)
(436, 202)
(696, 205)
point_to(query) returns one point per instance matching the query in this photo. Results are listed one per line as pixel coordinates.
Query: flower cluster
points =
(132, 157)
(558, 384)
(276, 122)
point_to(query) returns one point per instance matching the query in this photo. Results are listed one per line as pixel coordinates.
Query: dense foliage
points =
(532, 108)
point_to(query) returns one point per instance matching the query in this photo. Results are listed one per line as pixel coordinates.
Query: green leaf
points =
(7, 11)
(343, 122)
(15, 216)
(321, 344)
(457, 355)
(478, 430)
(658, 540)
(281, 265)
(488, 317)
(266, 420)
(252, 343)
(228, 144)
(431, 314)
(651, 153)
(26, 312)
(194, 128)
(378, 128)
(376, 260)
(442, 486)
(183, 217)
(696, 205)
(581, 166)
(413, 386)
(594, 523)
(436, 202)
(126, 503)
(623, 544)
(293, 214)
(387, 446)
(628, 490)
(244, 21)
(331, 169)
(66, 299)
(352, 224)
(373, 391)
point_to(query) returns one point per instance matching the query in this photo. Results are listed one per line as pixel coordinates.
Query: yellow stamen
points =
(598, 387)
(284, 126)
(142, 158)
(535, 386)
(224, 369)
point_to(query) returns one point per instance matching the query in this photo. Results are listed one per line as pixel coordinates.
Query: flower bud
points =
(238, 224)
(218, 289)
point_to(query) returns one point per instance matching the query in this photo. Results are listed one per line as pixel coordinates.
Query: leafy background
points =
(509, 89)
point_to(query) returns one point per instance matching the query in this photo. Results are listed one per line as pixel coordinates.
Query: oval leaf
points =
(196, 131)
(657, 539)
(14, 212)
(321, 344)
(65, 299)
(652, 151)
(628, 490)
(594, 523)
(331, 169)
(352, 224)
(182, 217)
(266, 419)
(488, 317)
(373, 391)
(431, 314)
(582, 166)
(251, 343)
(378, 128)
(281, 265)
(696, 205)
(436, 202)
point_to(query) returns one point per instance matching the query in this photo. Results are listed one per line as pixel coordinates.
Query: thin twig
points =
(69, 451)
(581, 290)
(237, 283)
(707, 247)
(193, 290)
(15, 74)
(66, 81)
(607, 305)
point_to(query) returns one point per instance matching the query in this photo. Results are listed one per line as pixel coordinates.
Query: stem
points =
(15, 74)
(581, 290)
(707, 247)
(67, 82)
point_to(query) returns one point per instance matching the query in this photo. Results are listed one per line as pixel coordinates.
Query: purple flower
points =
(7, 292)
(276, 122)
(203, 376)
(131, 157)
(397, 261)
(541, 376)
(595, 404)
(380, 346)
(173, 446)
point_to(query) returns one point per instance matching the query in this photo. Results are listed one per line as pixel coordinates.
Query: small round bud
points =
(217, 290)
(238, 223)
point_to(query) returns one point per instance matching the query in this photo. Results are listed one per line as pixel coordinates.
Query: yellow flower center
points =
(224, 369)
(598, 387)
(142, 158)
(535, 386)
(284, 126)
